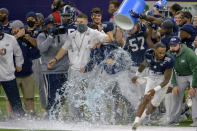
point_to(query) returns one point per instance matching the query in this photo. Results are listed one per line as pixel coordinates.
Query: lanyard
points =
(79, 47)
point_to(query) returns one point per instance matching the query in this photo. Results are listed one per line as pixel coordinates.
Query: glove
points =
(52, 31)
(137, 15)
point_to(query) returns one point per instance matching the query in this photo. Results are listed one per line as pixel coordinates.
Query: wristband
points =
(157, 88)
(137, 73)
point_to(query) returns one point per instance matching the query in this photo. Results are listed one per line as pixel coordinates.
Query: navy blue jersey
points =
(34, 33)
(136, 46)
(106, 26)
(165, 39)
(98, 55)
(70, 28)
(160, 66)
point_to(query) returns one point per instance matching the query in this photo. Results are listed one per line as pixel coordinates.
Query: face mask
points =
(30, 23)
(82, 28)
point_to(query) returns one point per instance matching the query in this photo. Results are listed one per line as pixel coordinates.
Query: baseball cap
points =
(167, 24)
(188, 28)
(174, 40)
(31, 14)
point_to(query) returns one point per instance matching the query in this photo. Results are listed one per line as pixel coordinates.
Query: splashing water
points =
(90, 96)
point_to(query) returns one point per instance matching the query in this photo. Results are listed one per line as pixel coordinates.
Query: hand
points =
(51, 63)
(52, 31)
(27, 37)
(134, 79)
(192, 92)
(82, 69)
(18, 68)
(136, 15)
(169, 90)
(20, 33)
(2, 52)
(151, 92)
(175, 91)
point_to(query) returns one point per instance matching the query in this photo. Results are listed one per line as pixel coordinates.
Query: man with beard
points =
(4, 13)
(185, 73)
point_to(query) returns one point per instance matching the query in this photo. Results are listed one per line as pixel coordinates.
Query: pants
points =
(39, 80)
(11, 90)
(177, 101)
(53, 82)
(152, 82)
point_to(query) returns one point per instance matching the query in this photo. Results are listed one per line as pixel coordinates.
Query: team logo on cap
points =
(173, 39)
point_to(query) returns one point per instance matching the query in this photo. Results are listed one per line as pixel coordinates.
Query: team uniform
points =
(156, 74)
(136, 46)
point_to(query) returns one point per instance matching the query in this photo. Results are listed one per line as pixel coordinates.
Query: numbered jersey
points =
(70, 28)
(136, 46)
(160, 66)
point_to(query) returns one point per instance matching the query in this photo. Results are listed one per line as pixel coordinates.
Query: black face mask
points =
(31, 23)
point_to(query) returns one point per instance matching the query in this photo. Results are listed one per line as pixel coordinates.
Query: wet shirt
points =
(158, 67)
(136, 46)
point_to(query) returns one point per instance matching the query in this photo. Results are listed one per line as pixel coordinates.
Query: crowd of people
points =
(47, 52)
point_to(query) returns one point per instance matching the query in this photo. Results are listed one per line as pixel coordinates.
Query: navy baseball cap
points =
(47, 21)
(174, 40)
(188, 28)
(167, 24)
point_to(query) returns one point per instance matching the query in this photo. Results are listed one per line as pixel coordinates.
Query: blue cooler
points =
(123, 19)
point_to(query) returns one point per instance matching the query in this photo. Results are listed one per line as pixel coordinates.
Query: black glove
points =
(137, 15)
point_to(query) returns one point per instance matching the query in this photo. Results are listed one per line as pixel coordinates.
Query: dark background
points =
(19, 8)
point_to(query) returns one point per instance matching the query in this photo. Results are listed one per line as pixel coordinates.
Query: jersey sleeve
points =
(107, 26)
(169, 61)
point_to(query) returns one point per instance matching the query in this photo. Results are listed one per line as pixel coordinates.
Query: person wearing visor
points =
(184, 74)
